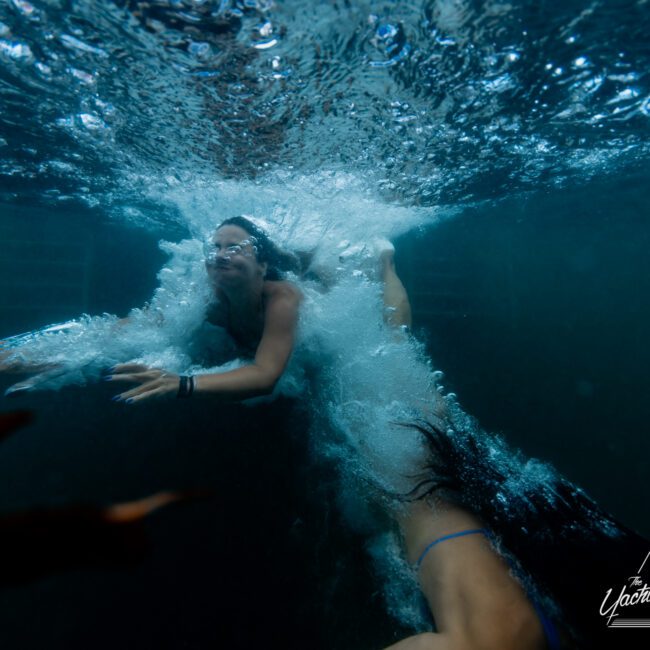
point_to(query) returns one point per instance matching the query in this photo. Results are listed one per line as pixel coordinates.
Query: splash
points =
(157, 334)
(372, 380)
(361, 377)
(323, 212)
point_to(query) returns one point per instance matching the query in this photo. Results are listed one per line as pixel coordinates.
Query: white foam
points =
(158, 334)
(301, 212)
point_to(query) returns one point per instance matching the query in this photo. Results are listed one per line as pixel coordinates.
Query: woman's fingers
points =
(133, 372)
(139, 390)
(163, 385)
(18, 388)
(138, 397)
(146, 375)
(154, 382)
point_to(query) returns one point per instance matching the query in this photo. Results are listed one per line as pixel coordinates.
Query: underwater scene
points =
(324, 324)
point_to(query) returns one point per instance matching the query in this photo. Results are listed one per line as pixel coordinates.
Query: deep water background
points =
(536, 309)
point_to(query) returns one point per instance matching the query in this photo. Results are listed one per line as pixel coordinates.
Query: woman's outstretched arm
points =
(253, 380)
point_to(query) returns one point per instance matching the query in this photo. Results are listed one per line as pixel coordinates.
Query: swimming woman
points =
(252, 303)
(475, 601)
(508, 553)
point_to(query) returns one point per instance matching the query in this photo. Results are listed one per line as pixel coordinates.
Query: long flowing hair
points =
(564, 547)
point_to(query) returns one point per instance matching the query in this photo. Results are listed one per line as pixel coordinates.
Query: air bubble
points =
(386, 31)
(25, 8)
(91, 122)
(645, 106)
(76, 44)
(265, 45)
(200, 50)
(16, 50)
(84, 77)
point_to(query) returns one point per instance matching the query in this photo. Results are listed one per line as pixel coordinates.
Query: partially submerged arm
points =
(253, 380)
(271, 357)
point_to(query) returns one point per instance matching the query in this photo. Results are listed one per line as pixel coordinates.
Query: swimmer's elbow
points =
(270, 384)
(267, 381)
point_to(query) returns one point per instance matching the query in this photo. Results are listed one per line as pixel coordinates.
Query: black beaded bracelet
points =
(185, 386)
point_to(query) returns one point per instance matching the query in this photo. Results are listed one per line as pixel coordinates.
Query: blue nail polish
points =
(112, 369)
(109, 378)
(117, 398)
(130, 400)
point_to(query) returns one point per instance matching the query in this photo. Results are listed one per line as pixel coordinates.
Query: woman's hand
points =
(153, 382)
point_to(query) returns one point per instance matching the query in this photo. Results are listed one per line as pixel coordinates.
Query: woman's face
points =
(231, 257)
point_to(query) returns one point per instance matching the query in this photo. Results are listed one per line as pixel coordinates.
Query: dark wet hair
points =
(279, 261)
(556, 538)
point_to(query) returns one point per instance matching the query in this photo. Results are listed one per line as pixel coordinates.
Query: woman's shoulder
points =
(282, 290)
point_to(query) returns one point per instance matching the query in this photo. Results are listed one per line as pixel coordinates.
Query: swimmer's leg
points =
(475, 601)
(397, 314)
(397, 308)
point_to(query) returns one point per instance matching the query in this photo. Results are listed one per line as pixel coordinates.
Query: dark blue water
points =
(528, 123)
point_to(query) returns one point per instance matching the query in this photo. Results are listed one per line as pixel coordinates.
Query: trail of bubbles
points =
(158, 334)
(324, 212)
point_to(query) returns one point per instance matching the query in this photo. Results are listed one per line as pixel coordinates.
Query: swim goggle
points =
(246, 247)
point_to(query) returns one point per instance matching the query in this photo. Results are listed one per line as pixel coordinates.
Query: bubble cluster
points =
(430, 103)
